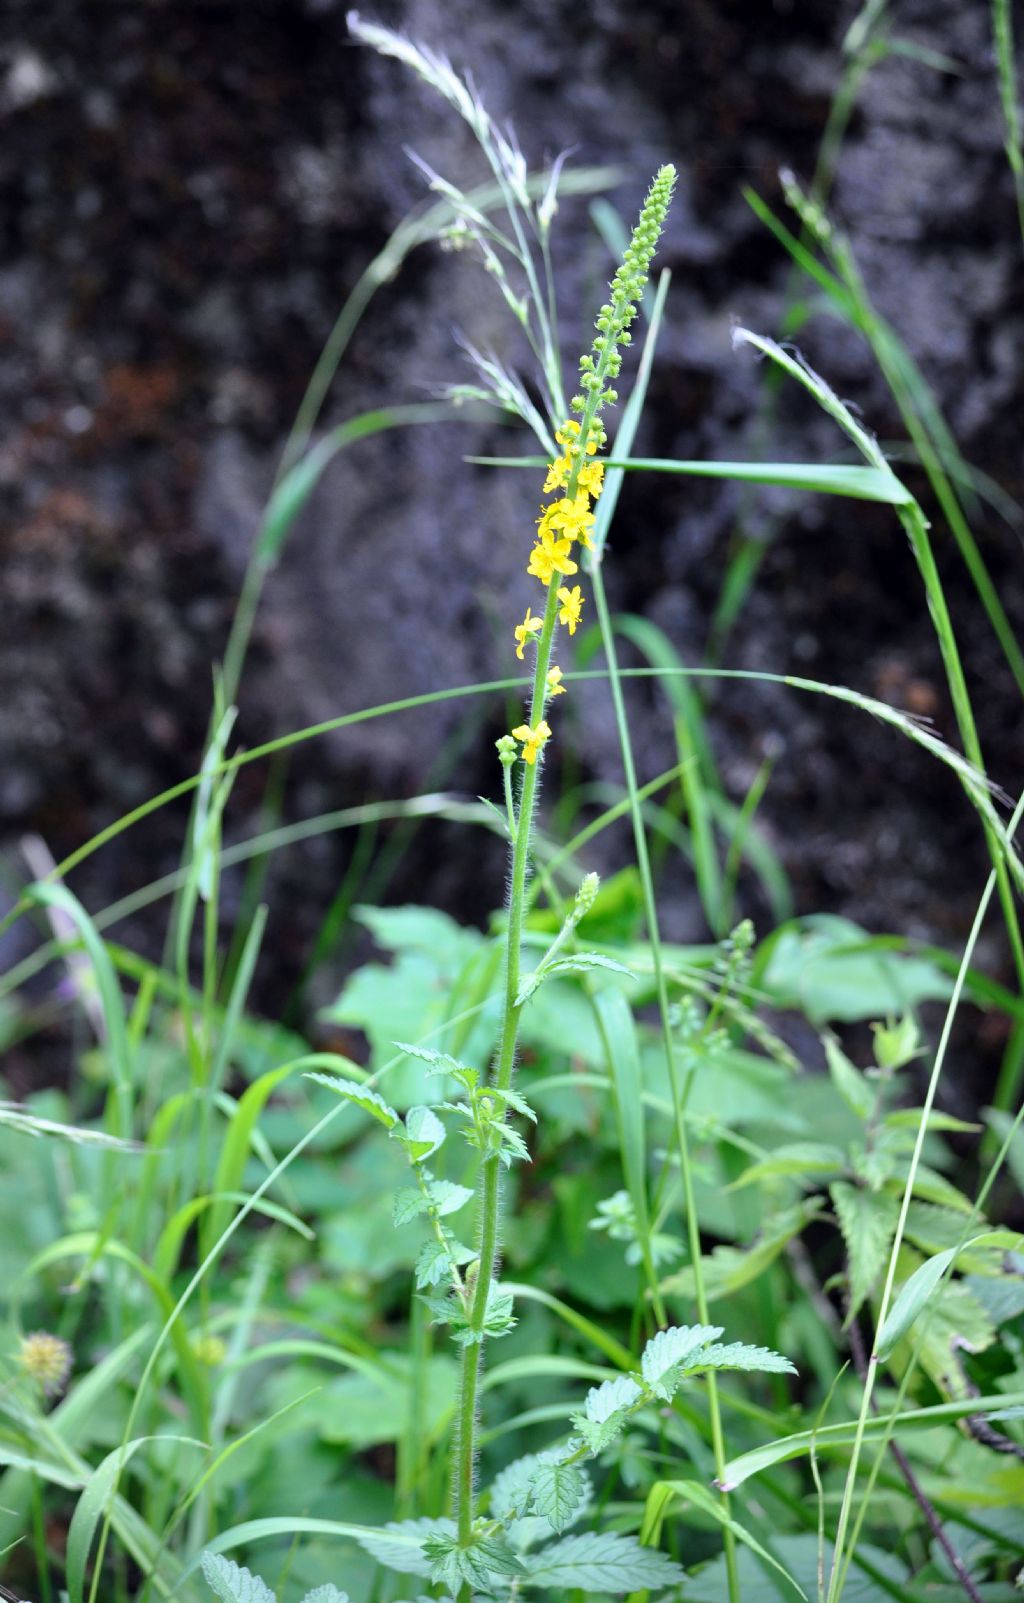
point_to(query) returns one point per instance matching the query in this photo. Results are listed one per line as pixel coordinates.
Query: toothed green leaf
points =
(600, 1561)
(361, 1096)
(231, 1583)
(558, 1491)
(867, 1220)
(668, 1354)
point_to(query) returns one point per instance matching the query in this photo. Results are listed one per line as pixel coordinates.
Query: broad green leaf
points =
(829, 969)
(606, 1410)
(423, 1133)
(854, 1088)
(474, 1565)
(326, 1594)
(443, 1195)
(233, 1584)
(956, 1323)
(408, 1204)
(361, 1096)
(399, 1544)
(671, 1351)
(363, 1410)
(932, 1229)
(447, 1197)
(867, 1220)
(601, 1562)
(558, 1493)
(435, 1261)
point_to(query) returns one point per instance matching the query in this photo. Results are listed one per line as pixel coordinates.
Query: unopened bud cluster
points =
(627, 286)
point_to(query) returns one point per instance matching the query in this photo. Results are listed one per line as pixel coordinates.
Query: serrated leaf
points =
(932, 1229)
(498, 1316)
(422, 1134)
(558, 1492)
(512, 1099)
(510, 1490)
(399, 1544)
(668, 1353)
(584, 962)
(602, 1562)
(867, 1220)
(931, 1186)
(233, 1584)
(448, 1197)
(610, 1398)
(435, 1261)
(573, 963)
(606, 1411)
(476, 1564)
(854, 1088)
(325, 1594)
(407, 1204)
(956, 1323)
(738, 1355)
(440, 1062)
(512, 1146)
(361, 1096)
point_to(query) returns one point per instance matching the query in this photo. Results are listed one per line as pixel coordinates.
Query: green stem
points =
(489, 1184)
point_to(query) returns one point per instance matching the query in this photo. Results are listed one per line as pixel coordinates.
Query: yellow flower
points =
(571, 608)
(534, 740)
(554, 682)
(568, 435)
(524, 630)
(591, 478)
(550, 556)
(572, 519)
(558, 474)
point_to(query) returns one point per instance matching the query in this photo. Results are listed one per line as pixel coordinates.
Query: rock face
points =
(192, 189)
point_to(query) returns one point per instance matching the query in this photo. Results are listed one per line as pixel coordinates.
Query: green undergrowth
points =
(552, 1257)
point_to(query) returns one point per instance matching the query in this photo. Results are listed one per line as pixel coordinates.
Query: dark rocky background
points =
(189, 190)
